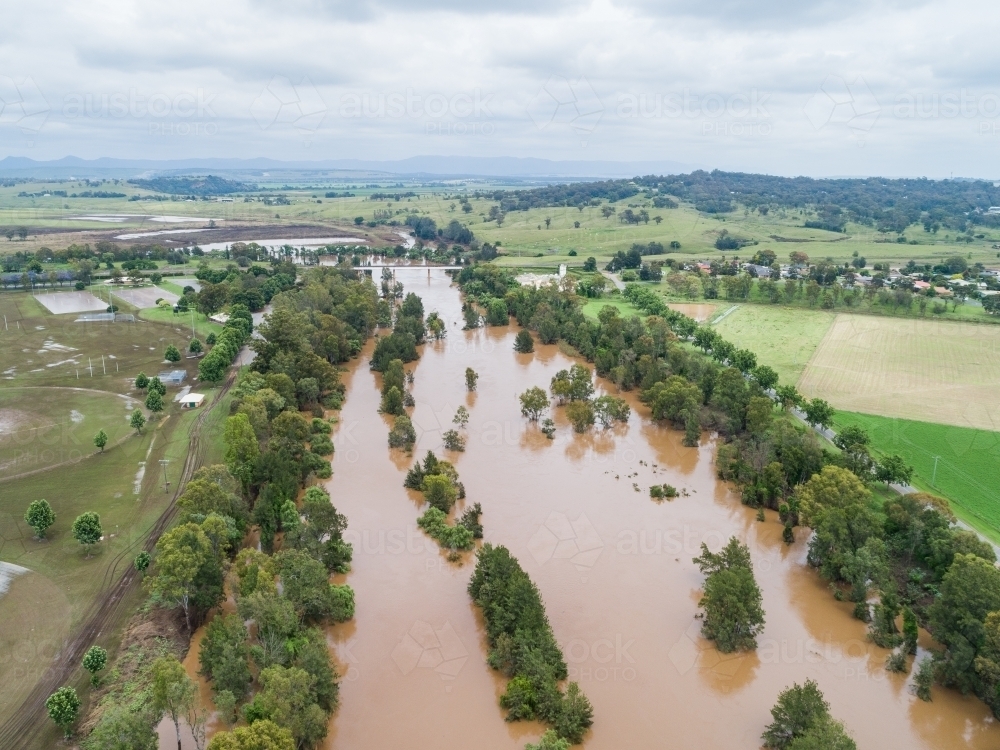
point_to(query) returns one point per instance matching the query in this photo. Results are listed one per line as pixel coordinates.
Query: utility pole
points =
(166, 484)
(934, 475)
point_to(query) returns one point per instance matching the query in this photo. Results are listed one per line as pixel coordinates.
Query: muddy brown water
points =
(613, 567)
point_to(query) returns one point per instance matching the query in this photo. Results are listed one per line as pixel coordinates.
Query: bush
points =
(402, 435)
(523, 343)
(435, 523)
(172, 354)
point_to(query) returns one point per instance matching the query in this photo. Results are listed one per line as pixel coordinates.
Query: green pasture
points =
(523, 234)
(966, 467)
(781, 337)
(45, 427)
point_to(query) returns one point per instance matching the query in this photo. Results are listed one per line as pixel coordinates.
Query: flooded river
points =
(613, 567)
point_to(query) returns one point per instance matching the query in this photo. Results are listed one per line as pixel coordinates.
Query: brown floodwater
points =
(613, 567)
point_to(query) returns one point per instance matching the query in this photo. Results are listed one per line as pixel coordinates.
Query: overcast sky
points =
(785, 87)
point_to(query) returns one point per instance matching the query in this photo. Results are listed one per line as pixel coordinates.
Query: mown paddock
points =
(783, 338)
(45, 427)
(966, 466)
(924, 370)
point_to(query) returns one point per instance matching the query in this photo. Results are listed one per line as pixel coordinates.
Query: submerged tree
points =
(732, 601)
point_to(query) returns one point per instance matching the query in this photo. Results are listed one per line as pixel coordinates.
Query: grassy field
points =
(781, 337)
(41, 349)
(44, 427)
(523, 235)
(625, 308)
(966, 469)
(57, 393)
(928, 370)
(181, 323)
(125, 487)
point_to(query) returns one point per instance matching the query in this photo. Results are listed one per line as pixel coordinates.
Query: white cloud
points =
(729, 85)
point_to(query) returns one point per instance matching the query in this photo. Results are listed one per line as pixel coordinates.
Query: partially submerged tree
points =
(732, 601)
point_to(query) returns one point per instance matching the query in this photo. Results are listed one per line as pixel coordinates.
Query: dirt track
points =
(22, 730)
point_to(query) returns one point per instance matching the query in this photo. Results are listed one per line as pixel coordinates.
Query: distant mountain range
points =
(415, 167)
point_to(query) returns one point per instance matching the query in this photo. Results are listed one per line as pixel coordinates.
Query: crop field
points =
(966, 466)
(927, 370)
(44, 427)
(781, 337)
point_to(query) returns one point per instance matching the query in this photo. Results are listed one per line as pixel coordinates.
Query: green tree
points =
(732, 601)
(172, 691)
(970, 591)
(461, 417)
(87, 530)
(402, 435)
(392, 402)
(548, 741)
(263, 734)
(39, 516)
(195, 347)
(765, 376)
(759, 413)
(142, 561)
(611, 409)
(181, 553)
(286, 698)
(788, 396)
(580, 414)
(121, 728)
(523, 343)
(797, 710)
(440, 491)
(172, 354)
(825, 734)
(242, 449)
(224, 653)
(819, 412)
(94, 661)
(137, 421)
(154, 401)
(100, 440)
(471, 378)
(63, 706)
(141, 381)
(893, 470)
(533, 402)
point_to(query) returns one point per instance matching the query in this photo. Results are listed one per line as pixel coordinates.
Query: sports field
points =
(783, 338)
(966, 467)
(38, 348)
(927, 370)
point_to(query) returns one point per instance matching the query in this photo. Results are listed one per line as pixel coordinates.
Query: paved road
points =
(619, 284)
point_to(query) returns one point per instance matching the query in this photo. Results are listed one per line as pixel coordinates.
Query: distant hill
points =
(209, 185)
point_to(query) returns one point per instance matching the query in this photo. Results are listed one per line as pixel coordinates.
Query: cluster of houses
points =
(984, 286)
